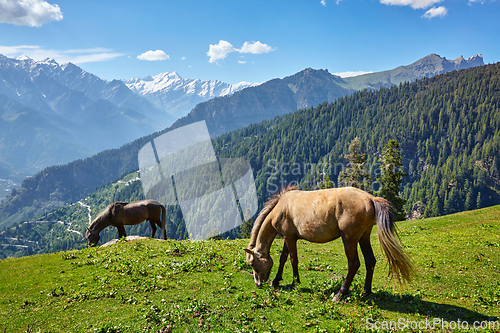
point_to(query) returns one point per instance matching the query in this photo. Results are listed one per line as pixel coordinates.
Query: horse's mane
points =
(268, 207)
(106, 212)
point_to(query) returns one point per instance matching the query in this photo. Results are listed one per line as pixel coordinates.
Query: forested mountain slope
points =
(308, 88)
(448, 127)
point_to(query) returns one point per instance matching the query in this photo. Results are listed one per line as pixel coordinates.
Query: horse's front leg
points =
(283, 258)
(121, 231)
(292, 248)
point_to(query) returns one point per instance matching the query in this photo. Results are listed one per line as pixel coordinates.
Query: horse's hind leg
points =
(153, 228)
(164, 232)
(351, 251)
(283, 258)
(291, 244)
(370, 261)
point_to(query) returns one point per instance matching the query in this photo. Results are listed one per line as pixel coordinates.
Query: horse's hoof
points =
(336, 298)
(275, 284)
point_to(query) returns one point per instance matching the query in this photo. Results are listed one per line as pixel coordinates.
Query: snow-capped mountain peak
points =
(23, 57)
(238, 86)
(475, 57)
(170, 92)
(152, 84)
(49, 61)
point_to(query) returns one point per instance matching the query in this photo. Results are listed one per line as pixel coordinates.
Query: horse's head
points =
(261, 265)
(93, 237)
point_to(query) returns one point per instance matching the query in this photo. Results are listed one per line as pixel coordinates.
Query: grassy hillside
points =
(178, 286)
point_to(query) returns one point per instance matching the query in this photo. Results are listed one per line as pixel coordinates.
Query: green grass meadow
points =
(183, 286)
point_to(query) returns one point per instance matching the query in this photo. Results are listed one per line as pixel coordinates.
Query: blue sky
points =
(242, 40)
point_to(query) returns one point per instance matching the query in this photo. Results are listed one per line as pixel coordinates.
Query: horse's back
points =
(324, 215)
(138, 211)
(146, 202)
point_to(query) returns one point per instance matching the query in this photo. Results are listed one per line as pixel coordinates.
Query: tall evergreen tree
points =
(246, 226)
(478, 201)
(326, 183)
(355, 174)
(391, 177)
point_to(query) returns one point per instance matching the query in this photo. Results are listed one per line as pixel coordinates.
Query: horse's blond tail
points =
(400, 266)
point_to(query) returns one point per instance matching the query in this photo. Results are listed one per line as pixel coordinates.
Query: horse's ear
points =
(249, 251)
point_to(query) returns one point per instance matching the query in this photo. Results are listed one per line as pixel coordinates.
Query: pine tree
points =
(452, 202)
(478, 201)
(391, 178)
(355, 173)
(246, 226)
(326, 183)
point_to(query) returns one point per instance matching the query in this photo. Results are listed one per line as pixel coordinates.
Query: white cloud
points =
(76, 56)
(32, 13)
(422, 4)
(153, 55)
(415, 4)
(351, 73)
(92, 57)
(12, 51)
(219, 51)
(255, 48)
(223, 48)
(241, 62)
(323, 2)
(433, 12)
(183, 58)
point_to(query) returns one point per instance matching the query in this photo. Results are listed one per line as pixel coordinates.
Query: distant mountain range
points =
(451, 159)
(309, 88)
(253, 104)
(52, 114)
(428, 66)
(177, 96)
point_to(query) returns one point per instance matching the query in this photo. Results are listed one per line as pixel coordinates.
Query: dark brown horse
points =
(119, 214)
(322, 216)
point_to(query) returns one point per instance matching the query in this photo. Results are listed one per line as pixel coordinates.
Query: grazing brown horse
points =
(119, 214)
(322, 216)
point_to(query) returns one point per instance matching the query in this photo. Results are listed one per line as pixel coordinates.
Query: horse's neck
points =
(265, 238)
(99, 224)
